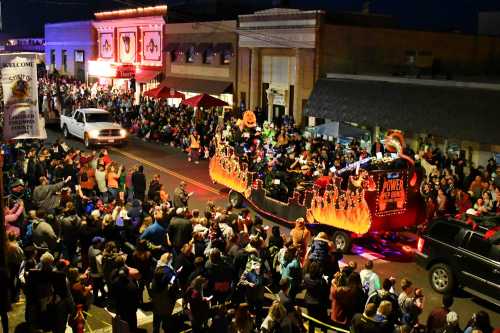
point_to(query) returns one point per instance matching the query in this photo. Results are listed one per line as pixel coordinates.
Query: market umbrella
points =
(164, 92)
(205, 101)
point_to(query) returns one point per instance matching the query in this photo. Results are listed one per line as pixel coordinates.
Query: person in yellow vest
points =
(194, 147)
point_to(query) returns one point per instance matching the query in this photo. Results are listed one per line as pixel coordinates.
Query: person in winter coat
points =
(95, 269)
(14, 256)
(219, 275)
(291, 270)
(436, 321)
(70, 231)
(142, 260)
(164, 292)
(154, 188)
(11, 216)
(343, 301)
(125, 293)
(181, 196)
(198, 304)
(300, 236)
(46, 196)
(43, 234)
(322, 251)
(139, 183)
(180, 230)
(369, 279)
(385, 294)
(316, 295)
(365, 322)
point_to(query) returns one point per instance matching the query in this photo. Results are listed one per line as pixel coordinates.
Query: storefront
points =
(201, 59)
(130, 47)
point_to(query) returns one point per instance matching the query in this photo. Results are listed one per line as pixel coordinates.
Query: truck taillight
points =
(420, 245)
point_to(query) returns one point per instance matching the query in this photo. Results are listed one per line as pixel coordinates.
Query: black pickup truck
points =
(463, 254)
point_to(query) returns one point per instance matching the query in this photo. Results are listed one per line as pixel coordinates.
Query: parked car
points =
(93, 126)
(463, 253)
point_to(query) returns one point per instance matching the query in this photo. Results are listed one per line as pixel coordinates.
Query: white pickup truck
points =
(93, 126)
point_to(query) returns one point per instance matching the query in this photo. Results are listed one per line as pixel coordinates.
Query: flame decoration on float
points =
(225, 169)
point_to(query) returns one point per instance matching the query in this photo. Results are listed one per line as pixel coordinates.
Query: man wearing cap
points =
(181, 196)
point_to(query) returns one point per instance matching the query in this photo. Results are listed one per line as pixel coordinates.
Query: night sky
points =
(26, 17)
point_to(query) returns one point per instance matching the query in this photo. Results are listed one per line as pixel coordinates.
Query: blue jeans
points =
(113, 193)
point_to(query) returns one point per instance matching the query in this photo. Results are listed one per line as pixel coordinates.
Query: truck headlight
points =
(123, 133)
(94, 134)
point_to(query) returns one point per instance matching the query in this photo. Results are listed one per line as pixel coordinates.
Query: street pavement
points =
(172, 165)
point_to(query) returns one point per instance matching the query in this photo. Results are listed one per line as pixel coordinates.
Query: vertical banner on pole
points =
(18, 74)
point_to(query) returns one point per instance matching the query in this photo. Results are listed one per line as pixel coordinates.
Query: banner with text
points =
(20, 97)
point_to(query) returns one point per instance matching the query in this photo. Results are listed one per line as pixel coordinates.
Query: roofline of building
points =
(292, 11)
(160, 10)
(62, 24)
(422, 82)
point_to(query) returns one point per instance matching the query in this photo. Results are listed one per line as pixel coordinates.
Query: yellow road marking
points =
(167, 171)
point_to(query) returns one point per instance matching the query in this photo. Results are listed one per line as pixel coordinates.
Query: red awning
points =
(146, 75)
(164, 92)
(205, 101)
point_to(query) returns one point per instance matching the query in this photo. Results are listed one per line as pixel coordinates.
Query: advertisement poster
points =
(20, 97)
(127, 42)
(152, 49)
(106, 47)
(391, 193)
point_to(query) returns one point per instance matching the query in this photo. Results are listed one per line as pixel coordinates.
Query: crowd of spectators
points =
(454, 185)
(85, 231)
(150, 119)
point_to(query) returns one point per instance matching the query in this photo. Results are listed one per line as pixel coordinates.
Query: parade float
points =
(382, 198)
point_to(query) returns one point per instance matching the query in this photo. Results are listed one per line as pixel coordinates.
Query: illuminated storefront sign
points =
(125, 71)
(392, 196)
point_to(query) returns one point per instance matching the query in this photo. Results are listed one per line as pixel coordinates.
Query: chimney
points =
(366, 7)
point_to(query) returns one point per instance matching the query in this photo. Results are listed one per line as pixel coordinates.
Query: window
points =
(79, 56)
(79, 117)
(208, 56)
(190, 54)
(445, 232)
(98, 118)
(64, 60)
(52, 57)
(226, 57)
(479, 245)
